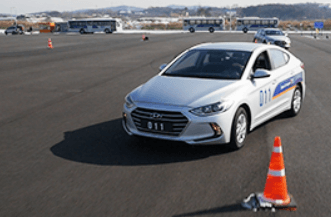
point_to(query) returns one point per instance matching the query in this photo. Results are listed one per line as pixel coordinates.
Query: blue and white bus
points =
(210, 24)
(254, 23)
(91, 25)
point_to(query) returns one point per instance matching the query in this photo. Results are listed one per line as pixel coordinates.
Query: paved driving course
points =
(64, 153)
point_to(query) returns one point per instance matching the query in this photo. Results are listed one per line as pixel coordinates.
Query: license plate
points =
(156, 126)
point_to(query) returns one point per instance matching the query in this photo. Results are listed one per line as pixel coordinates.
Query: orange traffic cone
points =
(145, 38)
(275, 195)
(255, 41)
(50, 45)
(275, 190)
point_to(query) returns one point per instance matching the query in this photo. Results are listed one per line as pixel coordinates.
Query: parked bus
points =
(254, 23)
(91, 25)
(210, 24)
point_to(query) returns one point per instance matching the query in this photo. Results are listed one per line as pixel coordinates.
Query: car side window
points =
(278, 57)
(262, 62)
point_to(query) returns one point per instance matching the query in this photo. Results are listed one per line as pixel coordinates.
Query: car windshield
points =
(218, 64)
(274, 32)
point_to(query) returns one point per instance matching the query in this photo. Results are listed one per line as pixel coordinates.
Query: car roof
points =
(270, 29)
(239, 46)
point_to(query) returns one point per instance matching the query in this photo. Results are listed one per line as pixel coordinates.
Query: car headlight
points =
(212, 109)
(129, 102)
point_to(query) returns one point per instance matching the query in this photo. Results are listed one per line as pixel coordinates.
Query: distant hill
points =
(288, 12)
(188, 7)
(126, 8)
(307, 11)
(49, 13)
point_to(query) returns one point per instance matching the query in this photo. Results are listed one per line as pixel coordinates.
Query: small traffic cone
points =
(145, 38)
(50, 45)
(275, 195)
(275, 190)
(255, 41)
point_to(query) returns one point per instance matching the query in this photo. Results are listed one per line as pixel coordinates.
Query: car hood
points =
(179, 91)
(277, 37)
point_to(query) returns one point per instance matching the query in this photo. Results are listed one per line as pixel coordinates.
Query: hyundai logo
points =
(156, 115)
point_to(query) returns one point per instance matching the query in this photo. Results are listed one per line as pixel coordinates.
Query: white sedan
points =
(273, 36)
(214, 93)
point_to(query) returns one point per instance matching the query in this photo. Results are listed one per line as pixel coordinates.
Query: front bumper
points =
(282, 44)
(197, 131)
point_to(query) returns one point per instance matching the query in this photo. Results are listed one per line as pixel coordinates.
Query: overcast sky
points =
(30, 6)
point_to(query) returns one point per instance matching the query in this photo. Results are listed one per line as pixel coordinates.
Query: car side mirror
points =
(260, 73)
(162, 66)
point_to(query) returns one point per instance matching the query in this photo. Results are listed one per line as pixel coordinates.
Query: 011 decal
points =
(265, 97)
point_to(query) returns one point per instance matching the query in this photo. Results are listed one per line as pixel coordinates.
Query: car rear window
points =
(279, 58)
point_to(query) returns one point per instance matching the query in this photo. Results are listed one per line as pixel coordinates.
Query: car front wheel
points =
(239, 129)
(107, 31)
(296, 102)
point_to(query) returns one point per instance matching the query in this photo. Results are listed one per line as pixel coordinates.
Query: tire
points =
(107, 31)
(6, 32)
(264, 42)
(192, 30)
(245, 30)
(239, 129)
(296, 102)
(211, 30)
(82, 31)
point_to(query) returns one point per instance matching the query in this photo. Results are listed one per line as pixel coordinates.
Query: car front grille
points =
(159, 122)
(280, 43)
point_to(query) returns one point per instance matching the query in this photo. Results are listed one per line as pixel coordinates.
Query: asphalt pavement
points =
(64, 152)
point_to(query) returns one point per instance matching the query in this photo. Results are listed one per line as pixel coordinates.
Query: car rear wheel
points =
(296, 102)
(239, 129)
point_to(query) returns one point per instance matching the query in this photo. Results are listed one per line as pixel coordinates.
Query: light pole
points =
(13, 9)
(232, 6)
(230, 18)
